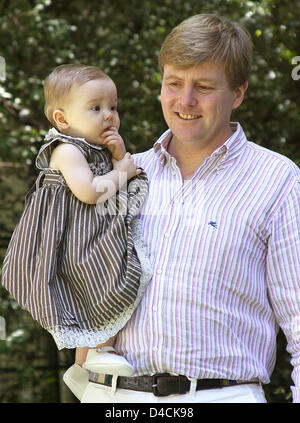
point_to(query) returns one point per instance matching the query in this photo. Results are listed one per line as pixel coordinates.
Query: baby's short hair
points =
(58, 85)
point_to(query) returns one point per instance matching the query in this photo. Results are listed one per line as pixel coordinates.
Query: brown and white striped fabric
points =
(74, 268)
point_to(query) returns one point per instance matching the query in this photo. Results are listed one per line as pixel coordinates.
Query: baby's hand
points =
(114, 142)
(126, 165)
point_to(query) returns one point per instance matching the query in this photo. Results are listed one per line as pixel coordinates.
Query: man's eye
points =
(203, 87)
(95, 108)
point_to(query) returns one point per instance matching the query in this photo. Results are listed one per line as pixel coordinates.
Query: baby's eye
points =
(95, 108)
(113, 108)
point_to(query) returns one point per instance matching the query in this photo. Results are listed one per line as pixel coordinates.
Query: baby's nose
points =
(107, 115)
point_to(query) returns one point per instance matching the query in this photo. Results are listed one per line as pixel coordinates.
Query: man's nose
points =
(188, 97)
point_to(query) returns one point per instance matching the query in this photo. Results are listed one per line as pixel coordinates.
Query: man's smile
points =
(188, 117)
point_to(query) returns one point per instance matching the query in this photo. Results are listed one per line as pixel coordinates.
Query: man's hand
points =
(114, 142)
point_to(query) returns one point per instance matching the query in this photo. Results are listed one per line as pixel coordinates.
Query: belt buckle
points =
(155, 390)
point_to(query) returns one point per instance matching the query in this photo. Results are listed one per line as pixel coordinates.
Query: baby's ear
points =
(60, 119)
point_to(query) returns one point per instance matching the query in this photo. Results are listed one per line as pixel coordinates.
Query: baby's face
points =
(92, 109)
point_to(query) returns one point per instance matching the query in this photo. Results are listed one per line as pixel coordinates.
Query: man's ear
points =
(239, 95)
(60, 119)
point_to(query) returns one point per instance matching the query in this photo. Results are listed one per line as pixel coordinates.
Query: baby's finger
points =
(113, 137)
(112, 142)
(107, 136)
(107, 132)
(111, 130)
(103, 142)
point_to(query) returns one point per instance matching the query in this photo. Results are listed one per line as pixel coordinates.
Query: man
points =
(222, 227)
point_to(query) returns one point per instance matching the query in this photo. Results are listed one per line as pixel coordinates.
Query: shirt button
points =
(159, 271)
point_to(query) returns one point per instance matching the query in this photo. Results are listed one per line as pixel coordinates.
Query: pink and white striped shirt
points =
(225, 250)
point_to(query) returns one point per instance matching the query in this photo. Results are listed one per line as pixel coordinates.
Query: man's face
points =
(197, 103)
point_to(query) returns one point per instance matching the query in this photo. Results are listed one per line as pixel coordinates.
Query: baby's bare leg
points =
(81, 352)
(108, 343)
(80, 355)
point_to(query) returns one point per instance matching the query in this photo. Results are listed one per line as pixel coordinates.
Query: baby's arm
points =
(89, 189)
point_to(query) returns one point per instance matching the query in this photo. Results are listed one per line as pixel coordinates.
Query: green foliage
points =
(123, 38)
(28, 356)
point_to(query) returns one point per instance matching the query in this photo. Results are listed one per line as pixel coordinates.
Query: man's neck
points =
(187, 161)
(190, 156)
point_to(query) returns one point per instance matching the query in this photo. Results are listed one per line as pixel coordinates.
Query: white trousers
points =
(248, 393)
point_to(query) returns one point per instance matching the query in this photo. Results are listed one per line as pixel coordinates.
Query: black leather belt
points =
(164, 384)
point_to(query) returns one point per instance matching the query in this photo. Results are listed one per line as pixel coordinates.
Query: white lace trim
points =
(143, 257)
(70, 337)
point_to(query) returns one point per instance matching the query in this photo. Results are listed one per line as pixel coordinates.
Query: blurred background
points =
(122, 37)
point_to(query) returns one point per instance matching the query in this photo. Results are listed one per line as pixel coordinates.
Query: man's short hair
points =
(205, 37)
(58, 85)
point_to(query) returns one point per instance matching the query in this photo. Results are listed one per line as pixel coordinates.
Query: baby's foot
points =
(76, 379)
(107, 360)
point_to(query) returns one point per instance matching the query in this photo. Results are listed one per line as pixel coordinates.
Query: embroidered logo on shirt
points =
(213, 224)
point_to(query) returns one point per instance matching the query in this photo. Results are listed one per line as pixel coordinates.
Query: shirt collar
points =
(235, 144)
(231, 148)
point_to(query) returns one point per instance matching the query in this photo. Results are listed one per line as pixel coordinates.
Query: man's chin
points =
(185, 137)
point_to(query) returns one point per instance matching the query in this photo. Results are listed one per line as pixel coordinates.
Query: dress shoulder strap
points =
(54, 138)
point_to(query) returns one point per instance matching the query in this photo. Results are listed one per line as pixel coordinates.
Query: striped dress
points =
(80, 270)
